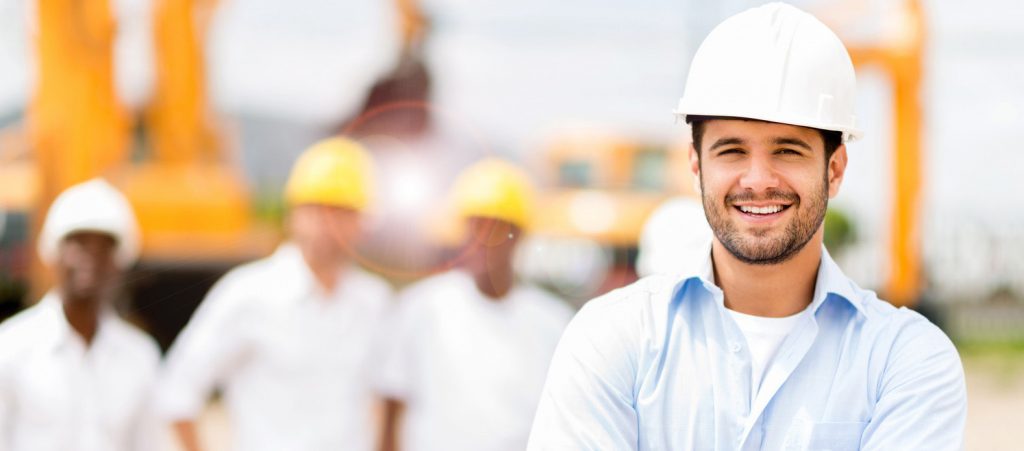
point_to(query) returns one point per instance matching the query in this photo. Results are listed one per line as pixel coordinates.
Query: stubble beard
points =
(758, 247)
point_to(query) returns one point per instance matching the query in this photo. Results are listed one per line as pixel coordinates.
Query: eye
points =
(732, 151)
(785, 151)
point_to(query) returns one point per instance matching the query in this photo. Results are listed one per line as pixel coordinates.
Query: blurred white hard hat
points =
(674, 239)
(774, 63)
(92, 206)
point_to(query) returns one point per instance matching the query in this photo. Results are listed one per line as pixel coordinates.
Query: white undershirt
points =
(764, 336)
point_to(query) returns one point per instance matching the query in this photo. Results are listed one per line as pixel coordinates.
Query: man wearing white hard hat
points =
(73, 375)
(466, 362)
(289, 338)
(767, 345)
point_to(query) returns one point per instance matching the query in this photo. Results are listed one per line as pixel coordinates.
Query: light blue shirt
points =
(661, 365)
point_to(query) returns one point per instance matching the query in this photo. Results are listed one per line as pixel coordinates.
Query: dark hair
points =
(831, 138)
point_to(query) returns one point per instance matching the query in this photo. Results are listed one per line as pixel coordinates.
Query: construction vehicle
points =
(602, 187)
(172, 158)
(191, 202)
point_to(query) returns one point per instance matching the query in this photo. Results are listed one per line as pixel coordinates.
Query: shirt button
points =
(735, 347)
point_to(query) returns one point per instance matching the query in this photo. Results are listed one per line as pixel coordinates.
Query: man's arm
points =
(587, 402)
(188, 438)
(923, 400)
(211, 344)
(393, 412)
(397, 369)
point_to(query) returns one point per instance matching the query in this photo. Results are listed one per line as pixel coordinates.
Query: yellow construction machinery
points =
(602, 188)
(191, 201)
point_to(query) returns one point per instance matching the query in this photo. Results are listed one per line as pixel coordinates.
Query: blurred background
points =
(197, 108)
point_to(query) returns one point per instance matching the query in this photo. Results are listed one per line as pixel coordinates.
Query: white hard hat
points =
(93, 206)
(774, 63)
(675, 238)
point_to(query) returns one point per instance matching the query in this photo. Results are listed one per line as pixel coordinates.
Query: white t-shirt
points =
(764, 336)
(469, 369)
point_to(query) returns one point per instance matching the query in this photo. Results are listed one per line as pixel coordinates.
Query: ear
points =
(836, 170)
(695, 168)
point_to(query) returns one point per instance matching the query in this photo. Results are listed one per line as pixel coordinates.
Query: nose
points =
(760, 176)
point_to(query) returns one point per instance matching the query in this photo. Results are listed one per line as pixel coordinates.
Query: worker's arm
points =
(922, 402)
(399, 365)
(212, 344)
(188, 438)
(391, 424)
(587, 402)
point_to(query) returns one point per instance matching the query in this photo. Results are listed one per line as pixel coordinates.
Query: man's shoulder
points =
(543, 304)
(636, 312)
(901, 323)
(22, 331)
(142, 346)
(645, 296)
(437, 288)
(255, 272)
(902, 336)
(372, 284)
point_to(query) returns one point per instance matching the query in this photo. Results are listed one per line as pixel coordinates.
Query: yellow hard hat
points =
(494, 188)
(335, 171)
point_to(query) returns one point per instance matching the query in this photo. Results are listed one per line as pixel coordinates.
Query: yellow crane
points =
(191, 200)
(898, 51)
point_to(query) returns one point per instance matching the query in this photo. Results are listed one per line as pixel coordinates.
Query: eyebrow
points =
(726, 142)
(792, 142)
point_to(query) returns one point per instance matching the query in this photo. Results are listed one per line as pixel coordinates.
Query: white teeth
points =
(761, 210)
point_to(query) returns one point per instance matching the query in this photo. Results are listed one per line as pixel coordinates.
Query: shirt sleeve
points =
(209, 346)
(6, 395)
(923, 398)
(147, 428)
(587, 401)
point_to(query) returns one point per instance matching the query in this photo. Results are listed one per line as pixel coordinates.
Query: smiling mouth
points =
(764, 211)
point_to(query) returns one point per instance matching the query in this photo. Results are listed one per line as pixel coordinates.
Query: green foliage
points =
(840, 231)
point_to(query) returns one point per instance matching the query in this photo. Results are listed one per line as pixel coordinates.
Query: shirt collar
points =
(62, 334)
(292, 270)
(830, 280)
(299, 280)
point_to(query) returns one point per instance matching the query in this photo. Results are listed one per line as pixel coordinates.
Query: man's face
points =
(325, 234)
(490, 244)
(765, 186)
(86, 270)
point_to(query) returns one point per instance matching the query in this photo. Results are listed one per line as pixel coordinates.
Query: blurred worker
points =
(73, 375)
(769, 345)
(672, 236)
(471, 346)
(288, 338)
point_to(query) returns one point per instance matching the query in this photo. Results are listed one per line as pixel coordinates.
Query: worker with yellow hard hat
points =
(761, 341)
(468, 350)
(288, 339)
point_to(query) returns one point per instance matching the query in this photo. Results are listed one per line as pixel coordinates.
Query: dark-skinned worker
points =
(289, 338)
(470, 346)
(762, 342)
(73, 375)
